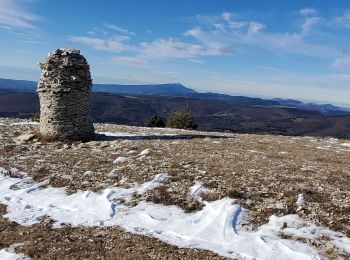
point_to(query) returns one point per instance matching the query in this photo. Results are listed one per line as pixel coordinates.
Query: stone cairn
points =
(64, 92)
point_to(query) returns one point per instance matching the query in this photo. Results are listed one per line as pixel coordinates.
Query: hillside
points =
(243, 115)
(164, 193)
(178, 90)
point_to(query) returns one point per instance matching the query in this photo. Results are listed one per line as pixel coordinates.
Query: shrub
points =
(155, 121)
(181, 119)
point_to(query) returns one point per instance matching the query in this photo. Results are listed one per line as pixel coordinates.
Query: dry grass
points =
(256, 170)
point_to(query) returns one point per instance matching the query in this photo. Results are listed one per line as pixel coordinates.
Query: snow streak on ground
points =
(333, 144)
(197, 189)
(215, 227)
(139, 136)
(26, 123)
(9, 254)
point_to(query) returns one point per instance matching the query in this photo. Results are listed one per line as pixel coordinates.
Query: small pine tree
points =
(155, 121)
(181, 119)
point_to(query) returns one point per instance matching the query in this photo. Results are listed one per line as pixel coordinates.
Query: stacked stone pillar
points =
(65, 96)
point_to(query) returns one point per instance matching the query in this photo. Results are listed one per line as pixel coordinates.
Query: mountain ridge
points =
(177, 89)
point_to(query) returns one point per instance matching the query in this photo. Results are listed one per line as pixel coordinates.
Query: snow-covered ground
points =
(145, 134)
(332, 144)
(215, 227)
(10, 254)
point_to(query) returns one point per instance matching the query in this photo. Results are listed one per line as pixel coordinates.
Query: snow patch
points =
(10, 254)
(121, 160)
(26, 123)
(138, 136)
(116, 134)
(255, 151)
(215, 227)
(301, 200)
(197, 189)
(333, 140)
(147, 186)
(113, 172)
(28, 202)
(145, 152)
(306, 168)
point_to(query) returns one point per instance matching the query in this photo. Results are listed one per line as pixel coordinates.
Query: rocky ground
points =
(266, 174)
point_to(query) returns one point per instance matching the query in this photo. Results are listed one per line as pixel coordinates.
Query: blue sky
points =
(288, 49)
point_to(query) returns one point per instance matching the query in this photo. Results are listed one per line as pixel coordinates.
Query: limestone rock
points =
(24, 138)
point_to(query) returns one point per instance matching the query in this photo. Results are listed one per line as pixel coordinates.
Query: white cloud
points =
(113, 45)
(225, 34)
(342, 64)
(130, 61)
(309, 23)
(91, 32)
(118, 29)
(14, 15)
(232, 23)
(212, 40)
(121, 38)
(172, 48)
(196, 61)
(271, 69)
(227, 16)
(343, 20)
(214, 36)
(308, 11)
(255, 28)
(295, 44)
(196, 32)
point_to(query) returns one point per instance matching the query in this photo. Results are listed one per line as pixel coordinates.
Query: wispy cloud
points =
(130, 61)
(118, 29)
(309, 23)
(217, 35)
(215, 40)
(91, 32)
(254, 28)
(225, 33)
(113, 45)
(14, 15)
(308, 11)
(173, 48)
(271, 69)
(344, 19)
(196, 61)
(341, 64)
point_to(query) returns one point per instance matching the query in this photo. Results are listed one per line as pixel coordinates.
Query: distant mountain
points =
(288, 102)
(178, 90)
(234, 99)
(19, 85)
(170, 89)
(325, 109)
